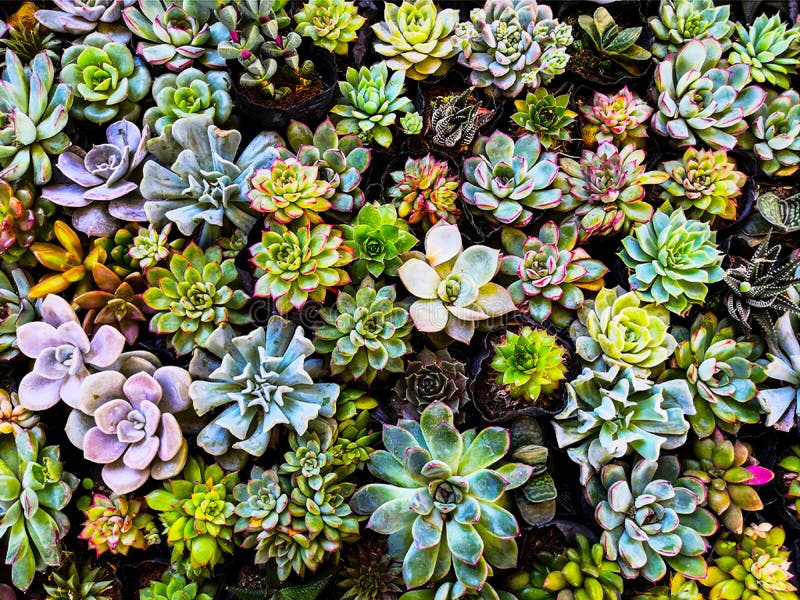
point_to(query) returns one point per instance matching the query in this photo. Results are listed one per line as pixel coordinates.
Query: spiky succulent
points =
(699, 98)
(509, 180)
(545, 115)
(431, 377)
(330, 24)
(190, 92)
(300, 265)
(425, 191)
(530, 363)
(770, 48)
(370, 102)
(35, 489)
(752, 566)
(26, 41)
(680, 21)
(605, 189)
(551, 272)
(16, 309)
(254, 383)
(13, 416)
(84, 16)
(33, 113)
(370, 574)
(441, 505)
(173, 586)
(456, 118)
(24, 219)
(619, 118)
(782, 404)
(652, 517)
(378, 238)
(116, 524)
(614, 43)
(79, 582)
(774, 134)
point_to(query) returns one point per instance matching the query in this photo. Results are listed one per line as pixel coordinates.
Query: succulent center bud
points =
(260, 388)
(103, 160)
(289, 257)
(199, 298)
(446, 495)
(312, 463)
(449, 288)
(368, 324)
(430, 384)
(187, 100)
(69, 357)
(136, 419)
(375, 246)
(210, 507)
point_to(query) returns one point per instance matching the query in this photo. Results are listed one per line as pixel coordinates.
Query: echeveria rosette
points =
(652, 518)
(424, 191)
(509, 180)
(33, 114)
(672, 260)
(85, 16)
(417, 38)
(173, 586)
(774, 134)
(330, 24)
(699, 98)
(116, 524)
(254, 383)
(782, 403)
(431, 377)
(194, 297)
(109, 83)
(680, 21)
(63, 354)
(441, 507)
(34, 489)
(24, 219)
(529, 364)
(611, 414)
(378, 238)
(770, 48)
(453, 287)
(545, 115)
(128, 425)
(619, 118)
(552, 274)
(176, 33)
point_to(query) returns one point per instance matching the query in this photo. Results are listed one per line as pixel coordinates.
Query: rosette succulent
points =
(680, 21)
(619, 118)
(770, 48)
(774, 134)
(677, 588)
(672, 260)
(173, 586)
(441, 505)
(370, 574)
(370, 102)
(551, 272)
(151, 246)
(85, 16)
(16, 309)
(651, 517)
(176, 33)
(509, 180)
(614, 413)
(194, 297)
(35, 490)
(545, 115)
(257, 381)
(530, 363)
(701, 99)
(605, 189)
(24, 219)
(378, 237)
(782, 404)
(13, 416)
(424, 191)
(118, 524)
(417, 38)
(290, 191)
(330, 24)
(33, 113)
(453, 287)
(108, 81)
(431, 377)
(411, 123)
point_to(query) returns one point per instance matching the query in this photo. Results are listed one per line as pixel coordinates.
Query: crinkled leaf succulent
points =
(190, 92)
(431, 377)
(85, 16)
(453, 287)
(510, 179)
(619, 118)
(552, 274)
(774, 134)
(530, 363)
(24, 219)
(782, 404)
(290, 191)
(546, 116)
(425, 191)
(614, 43)
(16, 309)
(680, 21)
(116, 524)
(771, 49)
(330, 24)
(441, 505)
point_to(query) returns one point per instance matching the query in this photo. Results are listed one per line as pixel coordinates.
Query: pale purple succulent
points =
(101, 190)
(85, 16)
(128, 424)
(63, 353)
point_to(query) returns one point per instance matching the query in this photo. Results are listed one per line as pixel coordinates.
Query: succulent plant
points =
(456, 118)
(151, 246)
(365, 332)
(27, 41)
(340, 160)
(619, 118)
(680, 21)
(301, 264)
(100, 188)
(35, 491)
(580, 571)
(417, 38)
(370, 574)
(515, 44)
(258, 381)
(770, 48)
(789, 477)
(774, 134)
(411, 123)
(370, 102)
(194, 297)
(173, 586)
(729, 470)
(62, 352)
(24, 219)
(652, 517)
(329, 24)
(509, 180)
(79, 582)
(530, 363)
(33, 114)
(85, 16)
(441, 504)
(196, 511)
(753, 565)
(378, 238)
(782, 404)
(431, 377)
(206, 185)
(605, 189)
(108, 81)
(290, 191)
(617, 328)
(14, 417)
(116, 524)
(455, 590)
(453, 288)
(16, 309)
(699, 98)
(424, 191)
(176, 33)
(721, 370)
(672, 260)
(677, 588)
(545, 115)
(190, 92)
(551, 272)
(612, 42)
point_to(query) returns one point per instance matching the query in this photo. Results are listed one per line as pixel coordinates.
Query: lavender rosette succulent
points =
(80, 17)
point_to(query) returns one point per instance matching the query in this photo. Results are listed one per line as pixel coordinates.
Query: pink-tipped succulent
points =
(118, 524)
(620, 118)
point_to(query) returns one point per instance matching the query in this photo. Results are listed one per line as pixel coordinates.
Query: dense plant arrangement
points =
(403, 300)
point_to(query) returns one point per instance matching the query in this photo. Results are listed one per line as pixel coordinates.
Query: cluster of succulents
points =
(403, 300)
